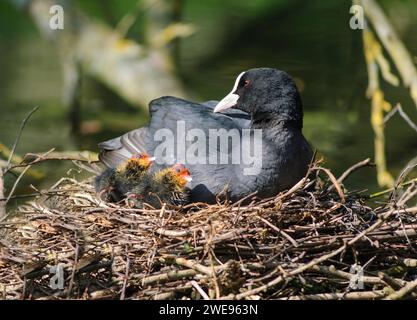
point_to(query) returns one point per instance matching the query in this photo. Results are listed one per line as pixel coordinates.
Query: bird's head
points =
(264, 93)
(181, 175)
(137, 163)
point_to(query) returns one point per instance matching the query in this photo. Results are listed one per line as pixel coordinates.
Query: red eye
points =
(246, 83)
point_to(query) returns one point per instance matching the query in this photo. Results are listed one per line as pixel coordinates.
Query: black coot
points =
(262, 114)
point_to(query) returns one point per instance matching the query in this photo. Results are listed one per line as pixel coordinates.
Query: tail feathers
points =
(115, 151)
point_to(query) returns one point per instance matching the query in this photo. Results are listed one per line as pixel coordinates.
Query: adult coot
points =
(249, 141)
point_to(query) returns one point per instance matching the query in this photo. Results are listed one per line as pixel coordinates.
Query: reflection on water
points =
(310, 40)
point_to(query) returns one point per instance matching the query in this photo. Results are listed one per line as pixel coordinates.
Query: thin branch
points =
(349, 171)
(52, 155)
(22, 126)
(406, 290)
(126, 278)
(401, 112)
(336, 183)
(365, 295)
(2, 203)
(15, 186)
(195, 266)
(283, 233)
(200, 290)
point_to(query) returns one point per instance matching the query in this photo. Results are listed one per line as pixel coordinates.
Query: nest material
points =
(308, 243)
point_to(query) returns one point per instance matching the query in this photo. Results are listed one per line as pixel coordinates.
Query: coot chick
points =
(114, 183)
(165, 186)
(105, 186)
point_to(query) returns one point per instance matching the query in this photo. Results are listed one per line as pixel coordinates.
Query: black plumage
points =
(106, 186)
(262, 98)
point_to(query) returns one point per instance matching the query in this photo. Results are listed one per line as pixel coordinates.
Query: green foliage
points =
(108, 9)
(13, 23)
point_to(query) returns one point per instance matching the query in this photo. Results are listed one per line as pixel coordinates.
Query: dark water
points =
(309, 39)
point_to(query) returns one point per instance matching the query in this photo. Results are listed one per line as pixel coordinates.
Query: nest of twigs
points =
(315, 241)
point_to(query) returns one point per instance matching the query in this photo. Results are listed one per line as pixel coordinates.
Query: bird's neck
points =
(276, 123)
(287, 114)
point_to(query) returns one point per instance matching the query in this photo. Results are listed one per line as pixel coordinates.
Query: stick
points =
(56, 156)
(365, 295)
(383, 192)
(336, 184)
(406, 290)
(283, 233)
(22, 126)
(195, 266)
(396, 284)
(346, 275)
(200, 290)
(364, 163)
(125, 278)
(2, 203)
(15, 186)
(71, 284)
(401, 112)
(169, 276)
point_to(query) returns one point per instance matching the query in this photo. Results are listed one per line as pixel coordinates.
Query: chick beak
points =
(231, 99)
(188, 178)
(151, 159)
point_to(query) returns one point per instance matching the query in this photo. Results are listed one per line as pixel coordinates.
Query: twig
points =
(51, 155)
(2, 203)
(126, 278)
(336, 183)
(283, 233)
(346, 275)
(21, 196)
(22, 126)
(396, 284)
(195, 266)
(169, 276)
(199, 289)
(406, 290)
(15, 185)
(295, 188)
(364, 295)
(389, 190)
(401, 112)
(74, 267)
(348, 172)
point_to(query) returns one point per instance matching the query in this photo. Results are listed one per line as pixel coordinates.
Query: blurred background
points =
(92, 80)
